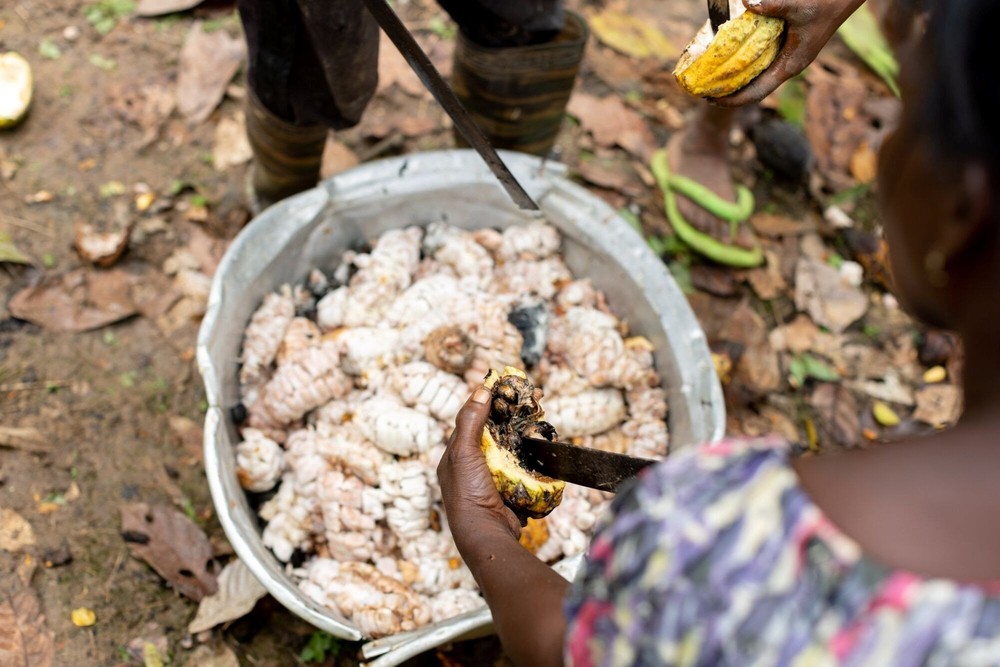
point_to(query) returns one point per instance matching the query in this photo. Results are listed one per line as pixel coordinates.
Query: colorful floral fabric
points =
(718, 557)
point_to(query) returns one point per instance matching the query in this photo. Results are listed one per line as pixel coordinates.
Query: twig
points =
(26, 224)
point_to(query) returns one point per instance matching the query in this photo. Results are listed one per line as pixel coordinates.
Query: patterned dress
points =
(718, 557)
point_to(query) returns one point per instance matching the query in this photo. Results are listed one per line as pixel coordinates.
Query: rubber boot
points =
(518, 95)
(287, 157)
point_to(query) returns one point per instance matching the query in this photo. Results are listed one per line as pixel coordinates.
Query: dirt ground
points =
(92, 420)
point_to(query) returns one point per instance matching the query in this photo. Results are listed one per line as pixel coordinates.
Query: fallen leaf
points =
(808, 367)
(939, 405)
(26, 438)
(767, 281)
(757, 370)
(208, 61)
(864, 164)
(837, 412)
(714, 280)
(238, 592)
(25, 640)
(884, 414)
(83, 617)
(217, 655)
(145, 106)
(393, 70)
(797, 336)
(890, 389)
(337, 158)
(769, 224)
(77, 301)
(613, 172)
(15, 531)
(149, 8)
(231, 147)
(9, 252)
(101, 248)
(612, 123)
(822, 292)
(632, 35)
(173, 545)
(40, 197)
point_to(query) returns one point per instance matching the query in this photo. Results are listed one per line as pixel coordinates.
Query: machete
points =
(593, 468)
(431, 78)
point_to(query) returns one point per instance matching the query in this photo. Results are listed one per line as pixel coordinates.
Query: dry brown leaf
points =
(769, 224)
(611, 173)
(101, 248)
(238, 592)
(393, 70)
(26, 438)
(797, 336)
(208, 61)
(612, 123)
(173, 545)
(864, 164)
(231, 147)
(767, 281)
(77, 301)
(15, 531)
(337, 158)
(25, 639)
(149, 8)
(632, 35)
(216, 655)
(146, 107)
(939, 405)
(837, 415)
(757, 371)
(830, 300)
(714, 280)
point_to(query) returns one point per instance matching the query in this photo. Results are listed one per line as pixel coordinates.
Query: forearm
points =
(526, 598)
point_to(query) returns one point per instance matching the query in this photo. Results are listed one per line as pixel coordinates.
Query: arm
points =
(525, 595)
(811, 24)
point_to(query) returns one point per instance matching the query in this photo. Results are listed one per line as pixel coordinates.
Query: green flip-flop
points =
(735, 213)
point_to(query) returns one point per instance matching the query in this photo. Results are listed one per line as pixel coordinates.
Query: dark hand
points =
(471, 501)
(811, 24)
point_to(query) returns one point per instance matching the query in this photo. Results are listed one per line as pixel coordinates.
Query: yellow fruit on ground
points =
(721, 64)
(516, 413)
(15, 88)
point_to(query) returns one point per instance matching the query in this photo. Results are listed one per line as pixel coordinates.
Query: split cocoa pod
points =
(721, 64)
(515, 412)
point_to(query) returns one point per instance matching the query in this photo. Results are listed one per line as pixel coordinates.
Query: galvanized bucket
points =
(314, 228)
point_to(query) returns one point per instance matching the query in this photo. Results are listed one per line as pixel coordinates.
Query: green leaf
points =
(792, 102)
(861, 34)
(49, 49)
(805, 367)
(320, 645)
(99, 61)
(9, 252)
(682, 276)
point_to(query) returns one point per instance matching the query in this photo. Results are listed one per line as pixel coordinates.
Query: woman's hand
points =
(471, 501)
(811, 24)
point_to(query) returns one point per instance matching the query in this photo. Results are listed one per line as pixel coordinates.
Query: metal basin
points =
(314, 228)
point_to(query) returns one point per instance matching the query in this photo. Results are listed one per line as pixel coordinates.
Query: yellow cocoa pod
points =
(15, 88)
(721, 64)
(515, 412)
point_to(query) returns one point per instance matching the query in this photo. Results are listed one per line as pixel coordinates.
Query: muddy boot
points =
(518, 94)
(287, 157)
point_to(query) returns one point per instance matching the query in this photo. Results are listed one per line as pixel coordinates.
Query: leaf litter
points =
(238, 592)
(172, 545)
(25, 639)
(208, 61)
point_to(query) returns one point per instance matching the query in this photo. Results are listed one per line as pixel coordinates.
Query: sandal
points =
(733, 213)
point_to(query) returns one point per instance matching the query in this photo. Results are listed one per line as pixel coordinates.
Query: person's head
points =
(940, 170)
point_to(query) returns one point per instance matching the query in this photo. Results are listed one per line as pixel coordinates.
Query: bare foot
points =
(700, 152)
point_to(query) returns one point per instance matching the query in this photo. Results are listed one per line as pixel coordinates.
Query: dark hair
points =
(960, 103)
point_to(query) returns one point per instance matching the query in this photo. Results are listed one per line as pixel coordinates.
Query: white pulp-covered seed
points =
(259, 461)
(396, 428)
(587, 413)
(426, 387)
(264, 334)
